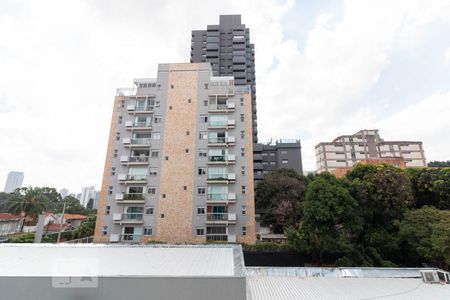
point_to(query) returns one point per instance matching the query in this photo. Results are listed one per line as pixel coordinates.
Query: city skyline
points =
(396, 73)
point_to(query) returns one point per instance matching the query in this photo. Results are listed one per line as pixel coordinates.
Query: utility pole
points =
(61, 224)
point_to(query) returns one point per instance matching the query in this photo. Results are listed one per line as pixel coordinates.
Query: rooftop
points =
(8, 217)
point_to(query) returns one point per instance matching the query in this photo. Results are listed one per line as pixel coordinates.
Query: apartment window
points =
(243, 189)
(115, 153)
(242, 151)
(242, 101)
(204, 119)
(110, 190)
(149, 210)
(202, 153)
(205, 102)
(201, 171)
(203, 135)
(242, 117)
(166, 158)
(244, 209)
(122, 103)
(151, 190)
(243, 170)
(171, 86)
(272, 154)
(107, 210)
(189, 100)
(120, 119)
(157, 119)
(283, 152)
(242, 134)
(201, 190)
(185, 187)
(153, 171)
(244, 230)
(117, 136)
(200, 210)
(157, 103)
(105, 230)
(162, 216)
(156, 135)
(264, 154)
(265, 163)
(113, 171)
(148, 230)
(273, 163)
(340, 160)
(206, 86)
(155, 153)
(187, 132)
(201, 231)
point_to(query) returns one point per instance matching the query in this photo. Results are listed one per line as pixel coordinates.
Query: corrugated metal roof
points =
(120, 260)
(296, 288)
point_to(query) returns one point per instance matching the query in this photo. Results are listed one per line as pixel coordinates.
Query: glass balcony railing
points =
(217, 217)
(132, 216)
(217, 140)
(218, 123)
(221, 176)
(141, 141)
(217, 237)
(142, 124)
(217, 196)
(131, 237)
(134, 196)
(217, 158)
(139, 159)
(144, 108)
(137, 177)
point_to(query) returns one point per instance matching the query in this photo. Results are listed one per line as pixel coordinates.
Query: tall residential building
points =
(227, 47)
(283, 154)
(87, 193)
(179, 164)
(14, 181)
(348, 150)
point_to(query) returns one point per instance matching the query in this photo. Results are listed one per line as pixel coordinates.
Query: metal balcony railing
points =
(142, 124)
(140, 159)
(132, 216)
(217, 217)
(134, 196)
(217, 196)
(136, 177)
(217, 237)
(141, 141)
(144, 108)
(130, 237)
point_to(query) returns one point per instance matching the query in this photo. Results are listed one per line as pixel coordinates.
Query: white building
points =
(87, 193)
(14, 181)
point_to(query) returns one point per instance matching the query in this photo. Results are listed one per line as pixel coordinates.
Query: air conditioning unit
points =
(126, 140)
(122, 177)
(231, 122)
(130, 107)
(124, 158)
(231, 196)
(114, 238)
(119, 196)
(117, 217)
(231, 139)
(128, 123)
(231, 176)
(230, 105)
(231, 157)
(231, 238)
(231, 217)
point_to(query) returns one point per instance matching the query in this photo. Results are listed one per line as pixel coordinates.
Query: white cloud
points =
(447, 54)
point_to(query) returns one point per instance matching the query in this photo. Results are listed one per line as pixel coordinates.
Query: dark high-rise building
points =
(227, 47)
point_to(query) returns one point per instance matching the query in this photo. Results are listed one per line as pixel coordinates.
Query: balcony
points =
(128, 218)
(221, 238)
(134, 160)
(221, 198)
(222, 124)
(130, 237)
(222, 159)
(140, 109)
(221, 108)
(137, 143)
(221, 141)
(221, 178)
(131, 198)
(220, 218)
(130, 179)
(136, 126)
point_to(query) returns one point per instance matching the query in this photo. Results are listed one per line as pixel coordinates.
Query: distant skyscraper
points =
(14, 181)
(227, 47)
(64, 193)
(87, 193)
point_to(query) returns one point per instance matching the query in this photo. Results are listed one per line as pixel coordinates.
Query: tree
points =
(5, 199)
(431, 186)
(439, 164)
(383, 194)
(86, 228)
(427, 231)
(281, 195)
(330, 219)
(30, 201)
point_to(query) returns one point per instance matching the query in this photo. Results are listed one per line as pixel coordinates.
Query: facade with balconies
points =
(179, 163)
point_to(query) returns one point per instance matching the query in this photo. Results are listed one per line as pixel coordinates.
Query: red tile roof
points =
(7, 217)
(74, 217)
(55, 227)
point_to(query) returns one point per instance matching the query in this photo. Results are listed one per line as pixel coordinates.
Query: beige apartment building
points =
(179, 163)
(347, 150)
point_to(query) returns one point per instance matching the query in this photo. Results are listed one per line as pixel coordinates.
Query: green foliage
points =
(330, 220)
(86, 228)
(427, 231)
(267, 247)
(28, 238)
(31, 201)
(439, 164)
(431, 186)
(281, 195)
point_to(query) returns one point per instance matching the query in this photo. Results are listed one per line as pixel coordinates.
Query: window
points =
(201, 231)
(242, 151)
(166, 158)
(187, 132)
(185, 187)
(171, 86)
(272, 163)
(117, 136)
(242, 134)
(115, 153)
(153, 171)
(120, 119)
(203, 135)
(264, 154)
(201, 190)
(242, 101)
(204, 119)
(202, 153)
(244, 230)
(155, 153)
(284, 161)
(283, 152)
(272, 154)
(186, 150)
(201, 171)
(162, 216)
(205, 102)
(189, 100)
(242, 117)
(107, 210)
(156, 136)
(243, 170)
(243, 189)
(148, 230)
(149, 210)
(113, 171)
(244, 209)
(157, 119)
(110, 190)
(151, 190)
(206, 86)
(105, 230)
(200, 210)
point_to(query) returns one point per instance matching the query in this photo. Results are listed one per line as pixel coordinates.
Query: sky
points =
(323, 68)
